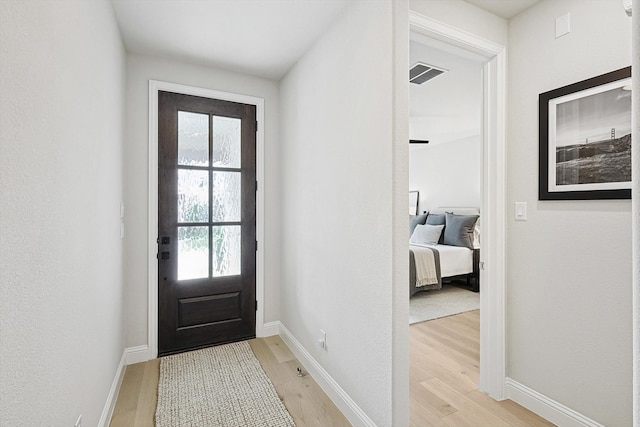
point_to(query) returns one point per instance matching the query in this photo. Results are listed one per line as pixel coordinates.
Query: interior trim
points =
(337, 394)
(110, 404)
(492, 219)
(546, 407)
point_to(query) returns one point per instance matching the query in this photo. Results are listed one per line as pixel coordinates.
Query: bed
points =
(451, 254)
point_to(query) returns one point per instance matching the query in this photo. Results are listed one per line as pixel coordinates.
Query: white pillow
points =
(426, 234)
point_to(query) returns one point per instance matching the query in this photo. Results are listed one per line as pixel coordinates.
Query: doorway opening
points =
(492, 189)
(445, 173)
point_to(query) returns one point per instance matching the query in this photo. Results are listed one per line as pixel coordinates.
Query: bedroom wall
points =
(141, 69)
(61, 122)
(569, 265)
(447, 174)
(446, 111)
(338, 188)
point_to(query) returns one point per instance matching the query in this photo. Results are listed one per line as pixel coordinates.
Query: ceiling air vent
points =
(421, 72)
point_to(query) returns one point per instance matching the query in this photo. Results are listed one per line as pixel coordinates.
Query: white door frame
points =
(492, 218)
(152, 263)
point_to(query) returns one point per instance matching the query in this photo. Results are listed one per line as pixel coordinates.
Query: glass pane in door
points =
(193, 195)
(225, 196)
(226, 142)
(193, 252)
(226, 254)
(193, 139)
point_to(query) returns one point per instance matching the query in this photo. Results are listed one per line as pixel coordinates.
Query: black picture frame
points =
(414, 201)
(571, 114)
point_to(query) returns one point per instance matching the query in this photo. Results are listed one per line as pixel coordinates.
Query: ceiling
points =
(448, 107)
(506, 9)
(259, 37)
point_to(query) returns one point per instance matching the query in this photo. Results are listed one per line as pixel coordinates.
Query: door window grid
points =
(209, 196)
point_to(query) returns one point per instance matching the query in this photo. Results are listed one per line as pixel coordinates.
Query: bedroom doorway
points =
(492, 58)
(445, 159)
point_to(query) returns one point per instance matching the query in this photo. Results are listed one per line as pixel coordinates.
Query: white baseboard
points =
(342, 400)
(137, 354)
(545, 406)
(130, 356)
(269, 329)
(110, 404)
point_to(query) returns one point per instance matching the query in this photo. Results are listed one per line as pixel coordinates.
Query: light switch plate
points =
(563, 25)
(521, 211)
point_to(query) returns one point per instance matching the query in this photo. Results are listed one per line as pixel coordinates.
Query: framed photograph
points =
(414, 197)
(585, 139)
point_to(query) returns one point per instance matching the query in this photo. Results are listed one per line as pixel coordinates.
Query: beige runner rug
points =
(218, 386)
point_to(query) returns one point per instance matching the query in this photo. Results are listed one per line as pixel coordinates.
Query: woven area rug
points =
(450, 300)
(218, 386)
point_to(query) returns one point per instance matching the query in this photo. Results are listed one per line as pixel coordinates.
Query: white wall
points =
(61, 113)
(447, 174)
(337, 204)
(569, 265)
(141, 69)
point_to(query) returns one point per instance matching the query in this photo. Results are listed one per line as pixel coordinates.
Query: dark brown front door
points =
(206, 222)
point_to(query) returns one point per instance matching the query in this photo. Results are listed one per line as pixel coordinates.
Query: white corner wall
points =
(447, 174)
(338, 187)
(569, 266)
(141, 69)
(61, 120)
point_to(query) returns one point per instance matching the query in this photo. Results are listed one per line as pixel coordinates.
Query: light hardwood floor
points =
(444, 356)
(305, 400)
(444, 370)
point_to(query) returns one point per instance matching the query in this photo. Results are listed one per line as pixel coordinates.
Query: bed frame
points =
(473, 278)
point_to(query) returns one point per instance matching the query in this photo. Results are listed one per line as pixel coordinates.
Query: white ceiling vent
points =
(422, 72)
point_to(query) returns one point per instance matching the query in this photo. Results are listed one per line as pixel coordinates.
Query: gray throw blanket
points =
(421, 277)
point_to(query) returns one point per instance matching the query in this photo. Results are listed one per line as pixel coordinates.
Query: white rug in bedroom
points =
(450, 300)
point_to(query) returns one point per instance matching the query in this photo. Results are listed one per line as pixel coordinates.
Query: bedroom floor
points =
(444, 370)
(453, 298)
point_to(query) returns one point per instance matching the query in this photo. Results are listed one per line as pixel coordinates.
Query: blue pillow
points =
(459, 230)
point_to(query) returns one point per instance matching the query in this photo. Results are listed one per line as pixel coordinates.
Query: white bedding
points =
(454, 260)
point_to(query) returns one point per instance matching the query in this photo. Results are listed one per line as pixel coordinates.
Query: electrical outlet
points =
(78, 421)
